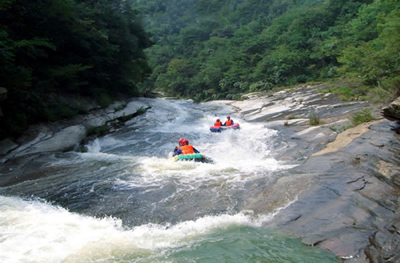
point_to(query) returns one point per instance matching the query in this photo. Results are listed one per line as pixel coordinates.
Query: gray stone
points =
(7, 146)
(350, 209)
(392, 112)
(63, 140)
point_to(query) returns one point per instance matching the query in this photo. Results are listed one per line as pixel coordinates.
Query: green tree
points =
(376, 60)
(236, 46)
(50, 49)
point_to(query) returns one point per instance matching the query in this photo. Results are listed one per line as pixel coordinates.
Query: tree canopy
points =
(219, 49)
(53, 49)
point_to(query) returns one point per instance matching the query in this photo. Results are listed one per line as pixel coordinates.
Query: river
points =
(125, 200)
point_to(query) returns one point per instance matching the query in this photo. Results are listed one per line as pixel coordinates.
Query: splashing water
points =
(33, 231)
(126, 200)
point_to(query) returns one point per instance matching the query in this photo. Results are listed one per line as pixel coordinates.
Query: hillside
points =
(57, 55)
(219, 49)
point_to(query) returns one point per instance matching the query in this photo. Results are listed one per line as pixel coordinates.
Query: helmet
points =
(217, 120)
(185, 142)
(228, 117)
(181, 141)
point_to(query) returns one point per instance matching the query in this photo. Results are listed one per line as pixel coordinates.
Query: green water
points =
(245, 244)
(236, 244)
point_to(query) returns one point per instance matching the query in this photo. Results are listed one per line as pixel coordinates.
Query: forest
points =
(56, 53)
(219, 49)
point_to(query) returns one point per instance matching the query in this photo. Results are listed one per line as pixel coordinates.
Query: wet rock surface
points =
(353, 199)
(352, 205)
(65, 136)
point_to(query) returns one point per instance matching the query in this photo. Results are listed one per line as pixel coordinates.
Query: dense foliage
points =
(54, 53)
(217, 49)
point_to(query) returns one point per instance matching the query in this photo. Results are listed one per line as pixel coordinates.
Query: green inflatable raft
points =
(197, 157)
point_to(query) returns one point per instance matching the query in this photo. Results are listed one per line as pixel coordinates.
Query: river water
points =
(125, 200)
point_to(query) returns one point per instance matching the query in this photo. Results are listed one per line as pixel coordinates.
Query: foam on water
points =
(35, 231)
(238, 155)
(32, 231)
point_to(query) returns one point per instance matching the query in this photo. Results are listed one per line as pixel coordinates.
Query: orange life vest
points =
(217, 123)
(228, 123)
(187, 149)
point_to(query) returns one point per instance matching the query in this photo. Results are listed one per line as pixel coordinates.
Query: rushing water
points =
(125, 200)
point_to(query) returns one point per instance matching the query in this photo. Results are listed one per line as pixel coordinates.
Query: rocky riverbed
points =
(351, 207)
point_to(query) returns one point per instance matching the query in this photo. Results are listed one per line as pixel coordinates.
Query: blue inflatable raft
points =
(223, 128)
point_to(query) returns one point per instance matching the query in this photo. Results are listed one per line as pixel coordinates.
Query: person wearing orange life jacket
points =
(180, 143)
(186, 149)
(229, 122)
(218, 123)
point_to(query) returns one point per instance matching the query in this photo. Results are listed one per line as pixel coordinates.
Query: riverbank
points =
(19, 157)
(63, 136)
(351, 207)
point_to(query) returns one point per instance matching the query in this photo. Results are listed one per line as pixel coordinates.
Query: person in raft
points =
(185, 149)
(180, 144)
(218, 123)
(229, 121)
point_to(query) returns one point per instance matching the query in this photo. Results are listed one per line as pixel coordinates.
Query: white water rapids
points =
(125, 200)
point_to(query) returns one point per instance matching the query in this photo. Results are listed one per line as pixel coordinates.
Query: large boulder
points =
(392, 112)
(63, 140)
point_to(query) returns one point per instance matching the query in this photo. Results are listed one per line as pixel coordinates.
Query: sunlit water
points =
(126, 200)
